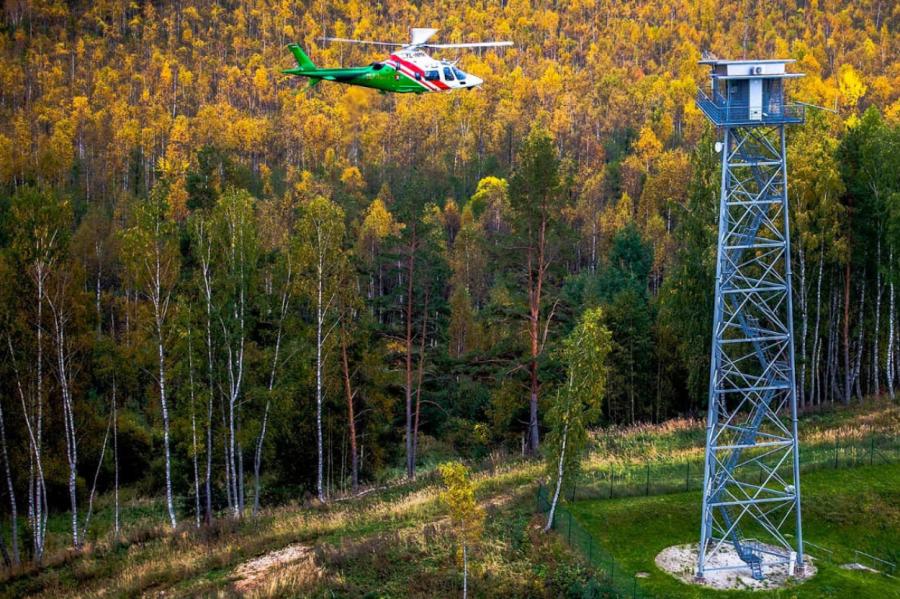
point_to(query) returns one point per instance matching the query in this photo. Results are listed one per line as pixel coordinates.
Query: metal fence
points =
(611, 578)
(668, 476)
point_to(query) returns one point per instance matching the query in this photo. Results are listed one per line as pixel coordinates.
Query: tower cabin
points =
(749, 92)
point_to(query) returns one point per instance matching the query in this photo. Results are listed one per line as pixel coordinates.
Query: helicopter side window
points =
(432, 76)
(459, 74)
(448, 74)
(377, 66)
(418, 76)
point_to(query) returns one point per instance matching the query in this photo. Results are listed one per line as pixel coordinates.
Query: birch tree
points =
(817, 216)
(322, 275)
(235, 248)
(13, 507)
(578, 403)
(60, 312)
(202, 243)
(150, 252)
(40, 219)
(465, 513)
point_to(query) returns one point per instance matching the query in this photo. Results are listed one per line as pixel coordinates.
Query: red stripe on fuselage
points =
(421, 80)
(416, 69)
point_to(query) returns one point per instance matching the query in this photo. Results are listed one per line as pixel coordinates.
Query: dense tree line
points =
(226, 289)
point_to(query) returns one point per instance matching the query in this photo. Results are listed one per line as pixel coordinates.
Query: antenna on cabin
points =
(751, 480)
(816, 107)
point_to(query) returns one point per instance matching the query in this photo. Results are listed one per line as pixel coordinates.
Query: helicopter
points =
(407, 70)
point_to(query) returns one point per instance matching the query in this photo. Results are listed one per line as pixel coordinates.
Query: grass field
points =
(846, 509)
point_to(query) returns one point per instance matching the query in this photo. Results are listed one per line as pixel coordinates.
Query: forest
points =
(225, 288)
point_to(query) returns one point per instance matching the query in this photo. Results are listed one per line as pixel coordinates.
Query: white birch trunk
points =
(160, 309)
(889, 366)
(815, 385)
(559, 477)
(207, 289)
(36, 496)
(857, 368)
(170, 504)
(804, 324)
(62, 360)
(876, 357)
(257, 458)
(193, 431)
(40, 492)
(115, 421)
(90, 510)
(235, 364)
(13, 509)
(319, 322)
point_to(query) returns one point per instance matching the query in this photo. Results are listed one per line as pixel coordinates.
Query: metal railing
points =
(723, 113)
(882, 565)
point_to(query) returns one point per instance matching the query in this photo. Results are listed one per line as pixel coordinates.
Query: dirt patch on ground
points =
(681, 562)
(257, 573)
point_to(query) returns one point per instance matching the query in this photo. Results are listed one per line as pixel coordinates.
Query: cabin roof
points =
(719, 61)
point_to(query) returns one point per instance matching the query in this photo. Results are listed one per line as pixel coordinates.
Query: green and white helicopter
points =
(407, 70)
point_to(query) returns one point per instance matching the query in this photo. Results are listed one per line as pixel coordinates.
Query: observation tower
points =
(751, 479)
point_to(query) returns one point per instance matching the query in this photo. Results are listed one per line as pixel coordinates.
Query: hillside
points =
(398, 542)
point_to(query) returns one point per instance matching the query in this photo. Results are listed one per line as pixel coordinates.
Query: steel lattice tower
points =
(751, 481)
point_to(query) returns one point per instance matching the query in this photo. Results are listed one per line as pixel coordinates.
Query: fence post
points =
(647, 491)
(634, 587)
(610, 480)
(687, 476)
(570, 526)
(872, 451)
(591, 549)
(835, 453)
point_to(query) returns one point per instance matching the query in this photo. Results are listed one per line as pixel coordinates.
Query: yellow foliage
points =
(616, 216)
(851, 86)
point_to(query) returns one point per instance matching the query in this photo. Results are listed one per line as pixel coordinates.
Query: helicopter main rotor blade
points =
(349, 41)
(472, 45)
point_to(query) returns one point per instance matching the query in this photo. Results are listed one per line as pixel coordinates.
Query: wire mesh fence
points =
(675, 476)
(611, 579)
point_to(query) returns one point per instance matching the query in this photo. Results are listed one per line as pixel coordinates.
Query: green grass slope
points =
(843, 510)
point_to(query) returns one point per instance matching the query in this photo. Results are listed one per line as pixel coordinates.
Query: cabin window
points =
(459, 74)
(377, 66)
(418, 76)
(432, 76)
(448, 74)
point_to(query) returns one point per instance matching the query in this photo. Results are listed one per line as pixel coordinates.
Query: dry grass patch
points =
(290, 568)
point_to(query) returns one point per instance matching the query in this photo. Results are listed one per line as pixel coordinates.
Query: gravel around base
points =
(681, 562)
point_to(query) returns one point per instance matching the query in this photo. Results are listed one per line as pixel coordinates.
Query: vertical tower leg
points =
(751, 475)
